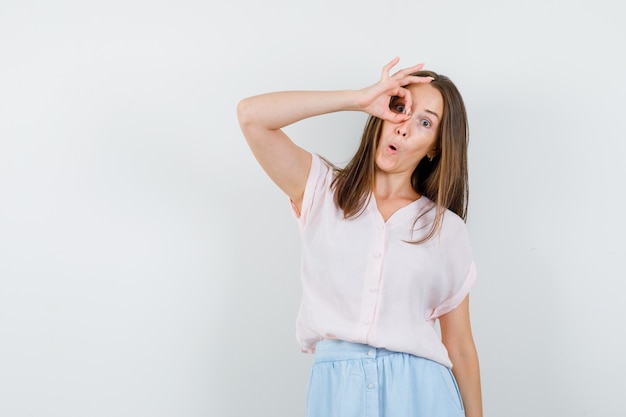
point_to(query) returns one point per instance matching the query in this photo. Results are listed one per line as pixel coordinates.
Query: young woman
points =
(385, 248)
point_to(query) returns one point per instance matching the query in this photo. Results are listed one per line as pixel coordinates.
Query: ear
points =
(432, 153)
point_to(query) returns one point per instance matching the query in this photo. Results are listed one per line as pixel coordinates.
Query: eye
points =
(425, 123)
(396, 105)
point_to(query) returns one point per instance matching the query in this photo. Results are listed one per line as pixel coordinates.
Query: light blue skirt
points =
(354, 380)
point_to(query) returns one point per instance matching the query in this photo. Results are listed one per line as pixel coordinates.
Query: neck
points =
(393, 186)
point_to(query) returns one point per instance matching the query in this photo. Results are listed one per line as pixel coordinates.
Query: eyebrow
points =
(433, 113)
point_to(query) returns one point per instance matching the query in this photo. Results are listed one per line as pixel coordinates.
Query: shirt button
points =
(371, 352)
(381, 227)
(377, 255)
(366, 322)
(373, 289)
(371, 386)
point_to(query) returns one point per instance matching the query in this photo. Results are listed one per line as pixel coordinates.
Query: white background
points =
(149, 268)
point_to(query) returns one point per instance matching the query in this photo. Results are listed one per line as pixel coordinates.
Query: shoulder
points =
(322, 173)
(454, 237)
(426, 209)
(452, 229)
(452, 222)
(318, 187)
(325, 165)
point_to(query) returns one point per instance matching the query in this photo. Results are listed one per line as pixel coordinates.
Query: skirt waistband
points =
(340, 350)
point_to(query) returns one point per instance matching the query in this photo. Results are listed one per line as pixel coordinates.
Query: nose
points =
(403, 129)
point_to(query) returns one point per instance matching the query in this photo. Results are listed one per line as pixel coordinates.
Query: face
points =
(403, 145)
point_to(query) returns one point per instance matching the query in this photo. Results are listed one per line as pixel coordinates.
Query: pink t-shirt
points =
(363, 283)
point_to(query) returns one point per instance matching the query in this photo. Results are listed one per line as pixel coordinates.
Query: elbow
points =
(464, 354)
(247, 124)
(252, 120)
(243, 112)
(461, 348)
(246, 112)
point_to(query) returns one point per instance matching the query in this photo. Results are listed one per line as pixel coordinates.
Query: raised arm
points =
(262, 117)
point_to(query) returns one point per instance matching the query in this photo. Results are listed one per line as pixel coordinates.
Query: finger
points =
(392, 117)
(415, 79)
(396, 117)
(407, 97)
(387, 68)
(407, 71)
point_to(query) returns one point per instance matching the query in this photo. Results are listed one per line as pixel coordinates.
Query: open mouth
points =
(392, 149)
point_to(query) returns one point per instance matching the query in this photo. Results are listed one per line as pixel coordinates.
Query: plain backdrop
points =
(148, 267)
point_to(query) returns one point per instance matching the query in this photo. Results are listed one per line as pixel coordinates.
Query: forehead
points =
(426, 97)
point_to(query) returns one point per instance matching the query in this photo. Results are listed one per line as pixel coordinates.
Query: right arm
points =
(262, 117)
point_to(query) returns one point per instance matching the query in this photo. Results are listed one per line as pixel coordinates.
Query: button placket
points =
(370, 293)
(371, 284)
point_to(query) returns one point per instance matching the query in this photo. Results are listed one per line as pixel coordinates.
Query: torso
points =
(364, 281)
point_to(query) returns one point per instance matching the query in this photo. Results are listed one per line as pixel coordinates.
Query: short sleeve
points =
(455, 300)
(316, 185)
(459, 270)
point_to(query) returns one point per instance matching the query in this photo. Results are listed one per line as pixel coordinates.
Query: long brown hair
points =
(443, 179)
